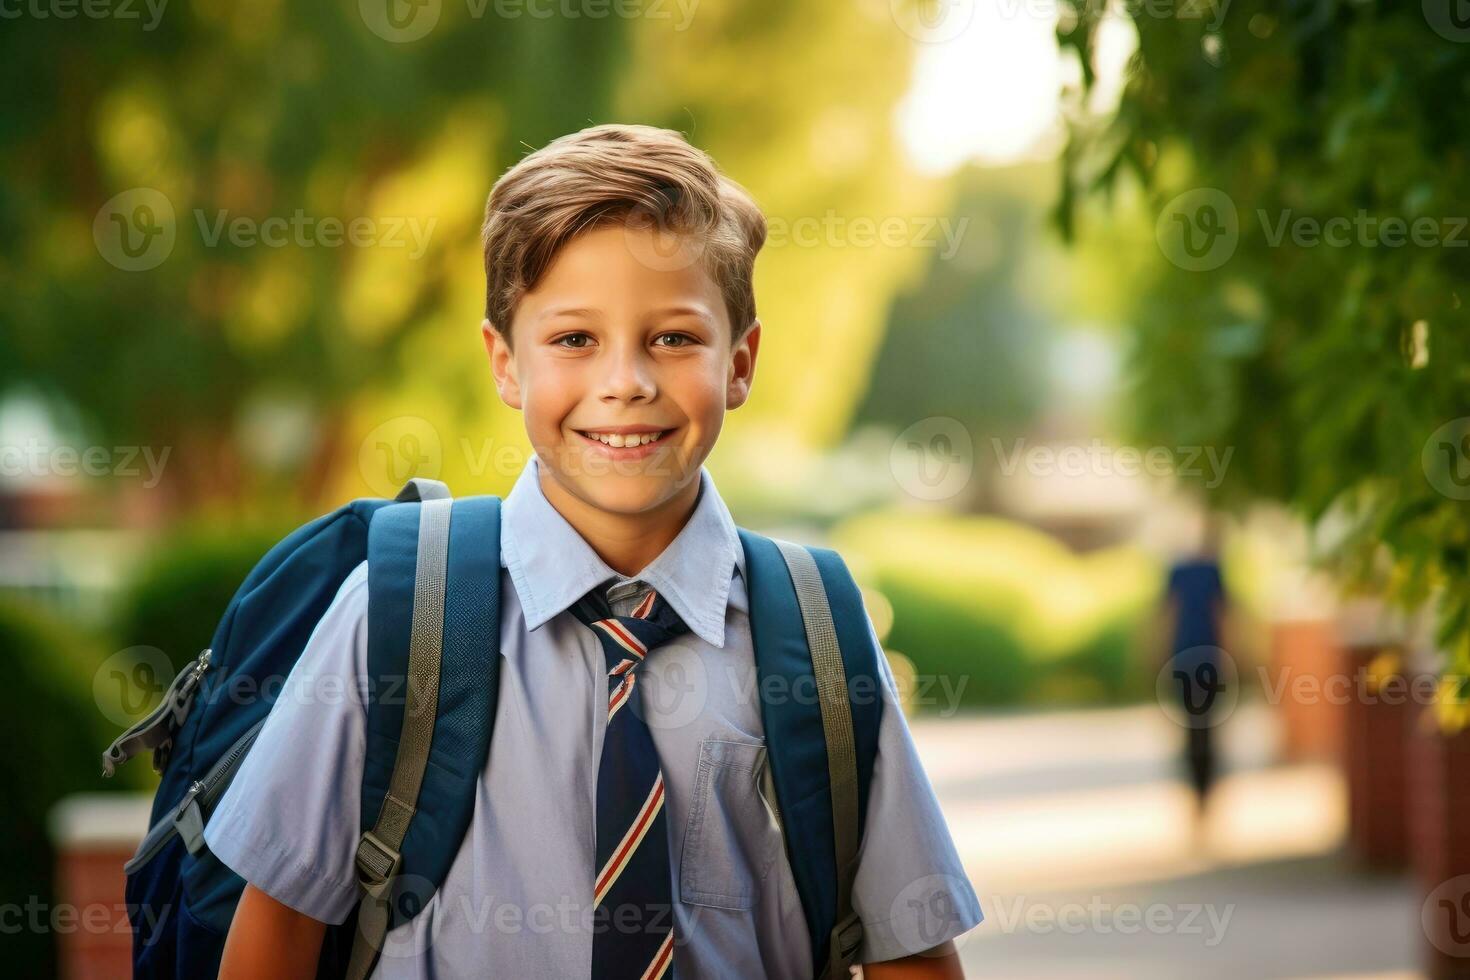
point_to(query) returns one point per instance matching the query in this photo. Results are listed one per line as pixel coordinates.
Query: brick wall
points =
(94, 834)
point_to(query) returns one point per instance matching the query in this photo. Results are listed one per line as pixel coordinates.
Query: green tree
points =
(1334, 362)
(969, 341)
(284, 372)
(304, 114)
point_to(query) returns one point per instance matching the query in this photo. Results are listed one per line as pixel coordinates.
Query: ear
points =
(502, 364)
(742, 367)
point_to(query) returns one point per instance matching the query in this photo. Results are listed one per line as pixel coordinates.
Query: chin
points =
(626, 494)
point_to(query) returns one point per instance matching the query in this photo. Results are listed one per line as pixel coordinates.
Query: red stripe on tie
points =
(661, 959)
(646, 606)
(635, 833)
(620, 633)
(620, 695)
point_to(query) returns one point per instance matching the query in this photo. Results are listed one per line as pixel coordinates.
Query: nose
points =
(627, 374)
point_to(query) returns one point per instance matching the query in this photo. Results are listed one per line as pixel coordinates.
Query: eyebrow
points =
(589, 313)
(581, 311)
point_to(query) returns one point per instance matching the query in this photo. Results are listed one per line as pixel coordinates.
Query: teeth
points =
(620, 441)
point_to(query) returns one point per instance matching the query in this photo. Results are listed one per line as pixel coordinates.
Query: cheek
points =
(703, 394)
(548, 395)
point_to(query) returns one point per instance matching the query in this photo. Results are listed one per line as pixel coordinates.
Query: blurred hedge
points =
(1007, 611)
(176, 598)
(174, 602)
(59, 737)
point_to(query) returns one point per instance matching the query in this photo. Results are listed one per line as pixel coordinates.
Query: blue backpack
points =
(434, 620)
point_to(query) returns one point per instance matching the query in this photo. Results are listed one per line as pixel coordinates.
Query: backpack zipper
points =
(203, 793)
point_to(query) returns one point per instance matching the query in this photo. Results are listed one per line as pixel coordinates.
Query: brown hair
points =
(610, 174)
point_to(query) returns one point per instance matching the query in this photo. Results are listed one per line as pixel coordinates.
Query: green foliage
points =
(263, 368)
(1007, 609)
(969, 331)
(59, 735)
(176, 599)
(259, 113)
(945, 639)
(1330, 367)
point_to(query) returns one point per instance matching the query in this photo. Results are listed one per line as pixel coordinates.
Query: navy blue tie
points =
(633, 934)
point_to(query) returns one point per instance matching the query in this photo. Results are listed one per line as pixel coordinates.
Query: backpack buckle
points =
(376, 864)
(843, 942)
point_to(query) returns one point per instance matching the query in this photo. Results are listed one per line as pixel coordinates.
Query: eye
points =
(562, 341)
(682, 339)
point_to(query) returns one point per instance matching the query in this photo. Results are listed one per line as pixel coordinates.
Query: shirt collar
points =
(552, 566)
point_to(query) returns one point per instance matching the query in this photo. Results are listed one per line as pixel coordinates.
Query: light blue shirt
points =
(518, 898)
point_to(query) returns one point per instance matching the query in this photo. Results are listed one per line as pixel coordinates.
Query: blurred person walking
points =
(1195, 604)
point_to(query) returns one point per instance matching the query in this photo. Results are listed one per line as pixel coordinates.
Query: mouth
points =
(626, 442)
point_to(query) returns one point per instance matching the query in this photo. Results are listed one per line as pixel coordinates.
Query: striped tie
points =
(633, 936)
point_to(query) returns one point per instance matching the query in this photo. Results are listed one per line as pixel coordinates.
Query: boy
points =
(623, 354)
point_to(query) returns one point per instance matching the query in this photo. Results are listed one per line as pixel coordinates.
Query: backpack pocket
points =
(180, 897)
(732, 837)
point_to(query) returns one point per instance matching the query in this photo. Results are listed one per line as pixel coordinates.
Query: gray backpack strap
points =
(832, 696)
(378, 857)
(422, 488)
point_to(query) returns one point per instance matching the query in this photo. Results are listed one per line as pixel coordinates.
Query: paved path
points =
(1076, 833)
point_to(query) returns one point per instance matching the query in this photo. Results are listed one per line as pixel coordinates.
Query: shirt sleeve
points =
(289, 824)
(910, 892)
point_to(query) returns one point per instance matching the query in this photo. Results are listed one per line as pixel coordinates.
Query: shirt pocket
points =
(732, 837)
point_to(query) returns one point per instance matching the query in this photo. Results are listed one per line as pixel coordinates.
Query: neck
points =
(626, 542)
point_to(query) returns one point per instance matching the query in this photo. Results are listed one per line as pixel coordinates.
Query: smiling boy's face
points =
(624, 372)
